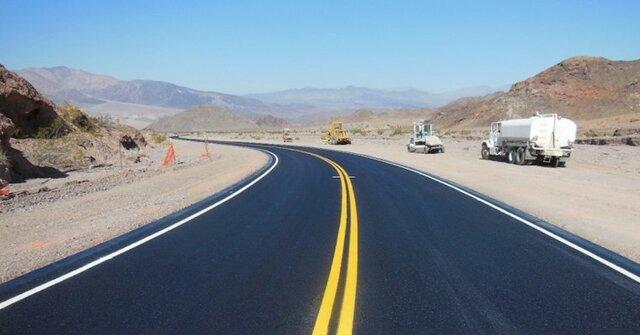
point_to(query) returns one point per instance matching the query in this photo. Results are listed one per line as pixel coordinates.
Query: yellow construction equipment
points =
(286, 135)
(336, 135)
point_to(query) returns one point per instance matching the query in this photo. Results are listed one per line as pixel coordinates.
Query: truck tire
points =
(562, 164)
(555, 162)
(484, 152)
(519, 156)
(442, 150)
(511, 156)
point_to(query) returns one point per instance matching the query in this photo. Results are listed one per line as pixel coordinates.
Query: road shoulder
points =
(46, 231)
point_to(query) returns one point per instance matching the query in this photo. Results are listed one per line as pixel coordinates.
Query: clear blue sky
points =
(254, 46)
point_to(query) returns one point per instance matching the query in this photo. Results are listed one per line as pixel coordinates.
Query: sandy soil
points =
(596, 196)
(53, 218)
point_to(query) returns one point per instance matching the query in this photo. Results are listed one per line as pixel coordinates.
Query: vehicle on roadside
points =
(546, 138)
(424, 139)
(286, 135)
(336, 134)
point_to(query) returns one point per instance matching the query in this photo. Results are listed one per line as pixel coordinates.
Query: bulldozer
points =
(336, 134)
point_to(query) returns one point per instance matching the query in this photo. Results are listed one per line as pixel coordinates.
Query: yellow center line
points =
(328, 299)
(347, 312)
(345, 325)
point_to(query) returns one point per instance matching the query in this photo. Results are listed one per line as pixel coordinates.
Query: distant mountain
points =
(216, 118)
(345, 100)
(141, 101)
(584, 89)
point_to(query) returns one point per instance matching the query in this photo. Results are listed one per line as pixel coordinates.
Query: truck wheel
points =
(519, 156)
(511, 156)
(555, 162)
(484, 152)
(442, 150)
(562, 164)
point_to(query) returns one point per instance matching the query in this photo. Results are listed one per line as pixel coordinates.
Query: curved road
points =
(326, 241)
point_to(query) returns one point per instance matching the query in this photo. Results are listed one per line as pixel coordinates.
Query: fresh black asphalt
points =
(431, 260)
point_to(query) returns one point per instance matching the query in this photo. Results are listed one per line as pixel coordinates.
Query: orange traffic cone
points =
(170, 159)
(5, 191)
(205, 153)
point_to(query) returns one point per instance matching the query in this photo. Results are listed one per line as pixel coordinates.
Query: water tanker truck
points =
(546, 138)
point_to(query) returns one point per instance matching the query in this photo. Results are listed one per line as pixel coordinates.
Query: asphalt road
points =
(419, 257)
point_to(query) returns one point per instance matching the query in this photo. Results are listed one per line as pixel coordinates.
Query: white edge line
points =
(118, 252)
(611, 265)
(560, 239)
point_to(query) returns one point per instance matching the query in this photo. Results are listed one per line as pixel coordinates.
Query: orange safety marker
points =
(5, 191)
(170, 159)
(205, 153)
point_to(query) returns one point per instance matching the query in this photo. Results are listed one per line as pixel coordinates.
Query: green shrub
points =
(56, 129)
(103, 121)
(79, 119)
(360, 131)
(157, 138)
(591, 133)
(396, 130)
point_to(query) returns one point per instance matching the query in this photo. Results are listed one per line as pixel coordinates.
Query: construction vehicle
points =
(336, 134)
(423, 139)
(546, 138)
(286, 135)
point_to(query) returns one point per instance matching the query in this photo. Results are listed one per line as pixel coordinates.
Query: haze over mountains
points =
(138, 102)
(594, 91)
(349, 98)
(141, 102)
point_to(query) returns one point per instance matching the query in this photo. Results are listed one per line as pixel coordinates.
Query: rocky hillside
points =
(40, 139)
(595, 92)
(213, 118)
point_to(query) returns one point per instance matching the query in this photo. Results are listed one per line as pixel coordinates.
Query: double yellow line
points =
(348, 210)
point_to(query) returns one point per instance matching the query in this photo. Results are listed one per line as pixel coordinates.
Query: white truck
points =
(546, 138)
(423, 139)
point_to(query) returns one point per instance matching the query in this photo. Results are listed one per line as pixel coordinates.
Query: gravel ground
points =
(596, 196)
(50, 219)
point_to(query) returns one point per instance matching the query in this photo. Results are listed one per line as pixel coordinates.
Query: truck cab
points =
(424, 139)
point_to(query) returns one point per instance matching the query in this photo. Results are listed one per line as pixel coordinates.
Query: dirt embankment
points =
(596, 196)
(50, 219)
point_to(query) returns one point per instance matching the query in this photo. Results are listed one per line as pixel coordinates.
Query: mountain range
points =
(138, 102)
(336, 101)
(141, 102)
(602, 96)
(596, 92)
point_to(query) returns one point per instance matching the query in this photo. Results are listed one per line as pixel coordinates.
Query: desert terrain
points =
(596, 196)
(48, 219)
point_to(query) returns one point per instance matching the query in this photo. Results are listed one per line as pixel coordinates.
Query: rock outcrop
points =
(23, 112)
(23, 105)
(39, 139)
